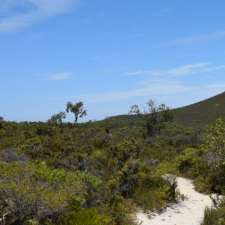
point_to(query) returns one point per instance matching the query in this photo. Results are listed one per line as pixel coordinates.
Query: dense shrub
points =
(35, 191)
(91, 173)
(190, 162)
(87, 217)
(215, 216)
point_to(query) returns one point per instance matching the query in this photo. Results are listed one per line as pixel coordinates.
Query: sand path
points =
(188, 212)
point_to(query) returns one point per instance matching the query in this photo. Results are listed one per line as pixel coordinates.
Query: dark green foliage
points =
(215, 216)
(57, 118)
(77, 109)
(35, 191)
(68, 171)
(214, 146)
(85, 216)
(157, 118)
(98, 173)
(134, 110)
(191, 163)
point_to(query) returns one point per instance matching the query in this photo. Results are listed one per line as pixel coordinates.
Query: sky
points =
(110, 54)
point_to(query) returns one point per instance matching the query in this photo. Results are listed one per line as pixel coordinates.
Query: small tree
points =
(166, 113)
(157, 117)
(134, 110)
(77, 109)
(215, 137)
(152, 119)
(214, 145)
(1, 118)
(57, 118)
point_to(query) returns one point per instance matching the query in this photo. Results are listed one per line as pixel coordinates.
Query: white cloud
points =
(60, 76)
(214, 36)
(148, 90)
(197, 68)
(33, 11)
(168, 91)
(165, 85)
(17, 22)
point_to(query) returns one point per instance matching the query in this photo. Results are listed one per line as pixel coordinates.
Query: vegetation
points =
(134, 110)
(198, 115)
(99, 173)
(202, 113)
(206, 164)
(92, 173)
(215, 216)
(77, 109)
(57, 118)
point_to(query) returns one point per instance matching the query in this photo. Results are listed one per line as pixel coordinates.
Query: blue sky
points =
(109, 53)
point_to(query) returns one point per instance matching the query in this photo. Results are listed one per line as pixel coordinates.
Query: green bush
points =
(34, 191)
(86, 217)
(215, 216)
(191, 163)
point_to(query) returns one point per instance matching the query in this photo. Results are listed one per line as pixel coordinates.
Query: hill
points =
(195, 115)
(203, 112)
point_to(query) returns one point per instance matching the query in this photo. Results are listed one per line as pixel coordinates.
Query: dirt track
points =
(188, 212)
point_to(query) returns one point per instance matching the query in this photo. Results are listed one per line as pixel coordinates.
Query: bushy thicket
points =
(216, 215)
(99, 173)
(96, 173)
(206, 165)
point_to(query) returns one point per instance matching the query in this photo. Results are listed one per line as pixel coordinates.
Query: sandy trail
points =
(188, 212)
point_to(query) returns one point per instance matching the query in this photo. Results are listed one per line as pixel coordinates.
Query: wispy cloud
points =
(163, 12)
(161, 90)
(165, 85)
(60, 76)
(148, 90)
(18, 14)
(213, 36)
(197, 68)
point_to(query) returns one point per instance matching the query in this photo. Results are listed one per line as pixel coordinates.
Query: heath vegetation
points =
(101, 173)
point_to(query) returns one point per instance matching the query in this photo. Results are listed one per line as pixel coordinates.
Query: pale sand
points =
(188, 212)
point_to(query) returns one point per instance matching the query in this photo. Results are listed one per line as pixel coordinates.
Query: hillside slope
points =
(201, 113)
(195, 115)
